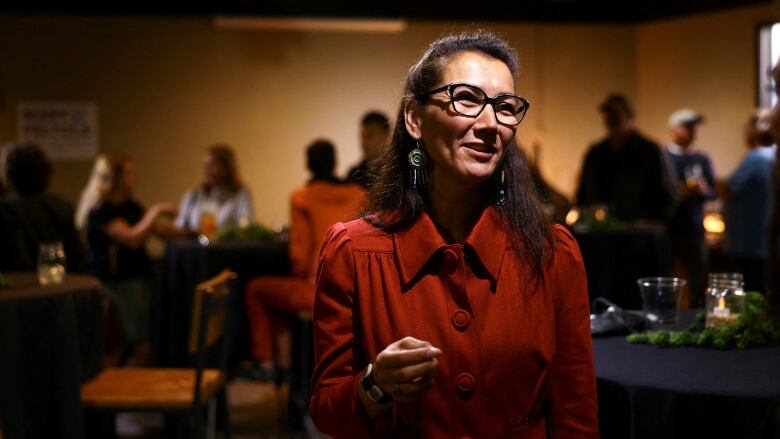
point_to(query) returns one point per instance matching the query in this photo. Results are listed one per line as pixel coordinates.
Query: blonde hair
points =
(106, 174)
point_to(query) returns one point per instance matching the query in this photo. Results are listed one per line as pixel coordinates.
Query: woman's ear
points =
(413, 119)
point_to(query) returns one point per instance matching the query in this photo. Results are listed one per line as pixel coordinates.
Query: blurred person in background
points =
(322, 202)
(625, 172)
(692, 170)
(30, 215)
(747, 196)
(374, 130)
(555, 204)
(774, 222)
(117, 226)
(222, 197)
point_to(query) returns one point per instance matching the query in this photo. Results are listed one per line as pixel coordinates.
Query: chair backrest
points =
(208, 321)
(216, 288)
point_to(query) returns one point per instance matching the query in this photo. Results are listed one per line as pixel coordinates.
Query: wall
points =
(167, 88)
(707, 63)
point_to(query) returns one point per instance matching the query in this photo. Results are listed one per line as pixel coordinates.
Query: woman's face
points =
(463, 150)
(214, 172)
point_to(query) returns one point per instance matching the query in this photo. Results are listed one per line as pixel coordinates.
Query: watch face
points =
(375, 393)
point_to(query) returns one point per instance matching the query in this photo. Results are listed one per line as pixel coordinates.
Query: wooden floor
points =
(257, 411)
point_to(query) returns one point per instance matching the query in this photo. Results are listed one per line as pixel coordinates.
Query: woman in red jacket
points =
(454, 309)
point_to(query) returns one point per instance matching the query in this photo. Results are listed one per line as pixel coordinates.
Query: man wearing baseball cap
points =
(696, 184)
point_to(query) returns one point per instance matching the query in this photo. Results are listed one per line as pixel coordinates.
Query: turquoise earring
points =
(417, 174)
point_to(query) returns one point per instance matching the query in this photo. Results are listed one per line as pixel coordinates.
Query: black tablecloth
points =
(188, 263)
(615, 259)
(51, 341)
(649, 392)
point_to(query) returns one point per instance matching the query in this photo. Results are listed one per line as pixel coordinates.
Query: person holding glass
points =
(117, 226)
(221, 201)
(32, 219)
(453, 308)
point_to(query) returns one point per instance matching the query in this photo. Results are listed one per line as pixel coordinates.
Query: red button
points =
(465, 382)
(450, 261)
(461, 319)
(465, 437)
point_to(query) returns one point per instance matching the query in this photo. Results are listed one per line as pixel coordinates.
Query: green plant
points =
(754, 327)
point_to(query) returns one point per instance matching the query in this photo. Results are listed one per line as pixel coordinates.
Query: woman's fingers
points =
(407, 392)
(401, 358)
(410, 343)
(412, 372)
(405, 369)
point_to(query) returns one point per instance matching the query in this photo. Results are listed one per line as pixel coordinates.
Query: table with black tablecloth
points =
(615, 258)
(188, 263)
(646, 392)
(51, 341)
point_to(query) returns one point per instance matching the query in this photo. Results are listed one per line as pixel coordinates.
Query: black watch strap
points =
(372, 390)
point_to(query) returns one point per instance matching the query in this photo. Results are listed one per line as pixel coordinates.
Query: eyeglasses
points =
(469, 100)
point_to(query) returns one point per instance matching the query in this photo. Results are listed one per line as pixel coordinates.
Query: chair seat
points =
(148, 388)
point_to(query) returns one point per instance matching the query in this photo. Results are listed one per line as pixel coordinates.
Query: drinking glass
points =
(51, 263)
(208, 219)
(660, 301)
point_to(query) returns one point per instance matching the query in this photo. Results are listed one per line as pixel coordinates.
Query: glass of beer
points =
(208, 220)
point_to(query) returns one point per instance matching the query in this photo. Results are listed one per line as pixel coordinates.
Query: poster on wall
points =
(65, 130)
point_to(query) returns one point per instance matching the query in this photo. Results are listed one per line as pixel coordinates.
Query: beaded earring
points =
(501, 190)
(417, 174)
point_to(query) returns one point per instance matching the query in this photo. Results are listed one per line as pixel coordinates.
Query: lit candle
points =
(721, 310)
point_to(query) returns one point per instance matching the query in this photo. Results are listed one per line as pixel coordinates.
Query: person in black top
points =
(626, 172)
(374, 130)
(117, 227)
(30, 215)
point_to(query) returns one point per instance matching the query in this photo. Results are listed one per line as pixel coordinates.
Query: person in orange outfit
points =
(453, 308)
(315, 207)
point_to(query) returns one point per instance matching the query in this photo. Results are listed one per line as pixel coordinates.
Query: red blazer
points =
(516, 355)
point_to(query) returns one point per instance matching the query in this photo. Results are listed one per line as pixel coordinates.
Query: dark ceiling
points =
(628, 11)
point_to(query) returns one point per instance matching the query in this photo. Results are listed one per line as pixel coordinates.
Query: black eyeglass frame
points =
(488, 100)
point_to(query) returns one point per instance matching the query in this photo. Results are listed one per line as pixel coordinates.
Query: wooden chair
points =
(186, 392)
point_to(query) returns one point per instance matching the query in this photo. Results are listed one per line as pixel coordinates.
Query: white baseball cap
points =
(685, 116)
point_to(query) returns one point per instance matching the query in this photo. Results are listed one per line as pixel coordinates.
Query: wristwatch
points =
(372, 390)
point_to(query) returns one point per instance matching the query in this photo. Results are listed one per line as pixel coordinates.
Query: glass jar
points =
(725, 299)
(51, 263)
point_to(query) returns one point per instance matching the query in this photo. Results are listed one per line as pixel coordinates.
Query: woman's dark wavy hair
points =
(394, 205)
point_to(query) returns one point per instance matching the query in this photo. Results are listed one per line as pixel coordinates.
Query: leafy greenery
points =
(754, 327)
(589, 220)
(252, 232)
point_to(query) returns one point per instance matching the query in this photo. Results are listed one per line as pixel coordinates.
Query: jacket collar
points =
(416, 245)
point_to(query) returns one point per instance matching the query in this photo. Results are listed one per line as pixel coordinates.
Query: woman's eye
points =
(508, 109)
(467, 98)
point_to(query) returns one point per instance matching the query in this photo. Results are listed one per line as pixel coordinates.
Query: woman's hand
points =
(405, 369)
(162, 209)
